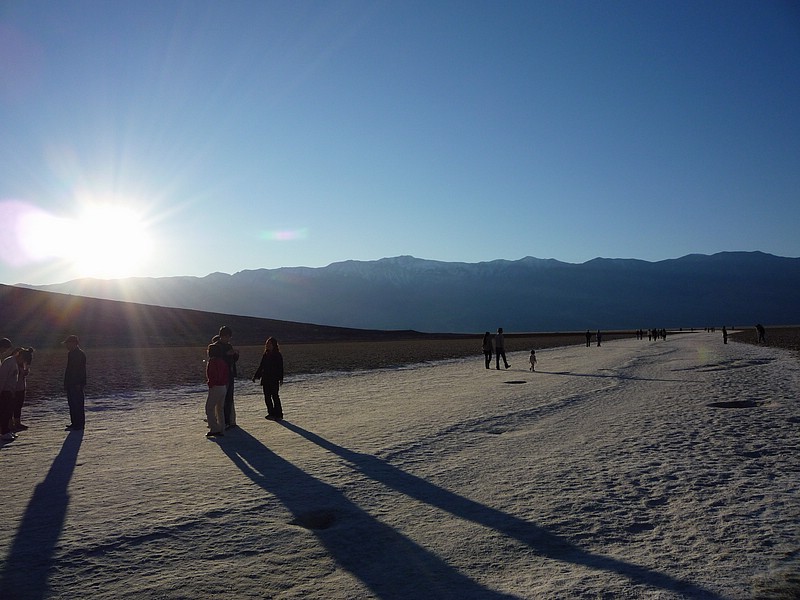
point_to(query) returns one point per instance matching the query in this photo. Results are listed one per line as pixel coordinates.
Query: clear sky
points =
(162, 138)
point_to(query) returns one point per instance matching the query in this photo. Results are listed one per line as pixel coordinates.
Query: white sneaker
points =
(8, 437)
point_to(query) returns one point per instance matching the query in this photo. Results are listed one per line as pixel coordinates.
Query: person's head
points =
(499, 330)
(71, 342)
(225, 333)
(24, 356)
(271, 345)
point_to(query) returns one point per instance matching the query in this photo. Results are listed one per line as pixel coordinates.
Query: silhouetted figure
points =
(24, 357)
(762, 334)
(271, 372)
(724, 335)
(533, 360)
(588, 338)
(599, 338)
(74, 383)
(487, 348)
(500, 349)
(231, 356)
(9, 371)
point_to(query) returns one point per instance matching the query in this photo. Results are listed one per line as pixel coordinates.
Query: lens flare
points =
(285, 235)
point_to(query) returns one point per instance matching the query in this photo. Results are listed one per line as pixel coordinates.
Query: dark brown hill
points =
(44, 319)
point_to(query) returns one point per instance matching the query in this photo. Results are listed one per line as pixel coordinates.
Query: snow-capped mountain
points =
(530, 294)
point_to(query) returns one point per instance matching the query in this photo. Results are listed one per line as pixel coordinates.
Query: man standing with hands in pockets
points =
(74, 383)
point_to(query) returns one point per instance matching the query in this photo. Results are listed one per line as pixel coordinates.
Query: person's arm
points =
(260, 370)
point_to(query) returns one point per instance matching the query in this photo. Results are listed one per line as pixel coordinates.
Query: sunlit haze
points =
(161, 138)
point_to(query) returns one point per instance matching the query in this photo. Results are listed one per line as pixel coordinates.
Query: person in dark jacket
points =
(231, 356)
(271, 372)
(500, 349)
(487, 348)
(74, 383)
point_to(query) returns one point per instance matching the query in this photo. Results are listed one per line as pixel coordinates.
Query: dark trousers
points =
(488, 357)
(19, 401)
(6, 410)
(228, 406)
(498, 353)
(272, 399)
(76, 401)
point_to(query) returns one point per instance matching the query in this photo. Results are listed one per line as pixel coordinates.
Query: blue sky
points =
(161, 138)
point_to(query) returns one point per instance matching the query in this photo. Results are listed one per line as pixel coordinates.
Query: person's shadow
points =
(391, 565)
(539, 539)
(32, 555)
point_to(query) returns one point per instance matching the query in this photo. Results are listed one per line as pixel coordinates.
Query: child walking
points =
(533, 360)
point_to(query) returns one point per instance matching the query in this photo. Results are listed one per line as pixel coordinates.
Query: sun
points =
(108, 241)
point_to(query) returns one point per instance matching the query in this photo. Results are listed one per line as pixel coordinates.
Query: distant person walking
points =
(599, 338)
(270, 370)
(500, 349)
(75, 382)
(487, 348)
(533, 360)
(217, 374)
(24, 357)
(588, 338)
(8, 385)
(231, 357)
(762, 334)
(724, 335)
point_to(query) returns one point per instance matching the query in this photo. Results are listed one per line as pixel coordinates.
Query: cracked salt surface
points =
(640, 469)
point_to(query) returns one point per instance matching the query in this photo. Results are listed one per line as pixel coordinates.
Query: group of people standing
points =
(15, 364)
(221, 373)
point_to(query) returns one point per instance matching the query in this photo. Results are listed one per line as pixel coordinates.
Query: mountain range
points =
(530, 294)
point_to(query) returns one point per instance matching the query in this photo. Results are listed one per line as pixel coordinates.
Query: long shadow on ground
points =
(614, 376)
(31, 558)
(540, 540)
(388, 563)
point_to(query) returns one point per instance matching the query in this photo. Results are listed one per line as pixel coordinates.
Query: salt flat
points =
(639, 469)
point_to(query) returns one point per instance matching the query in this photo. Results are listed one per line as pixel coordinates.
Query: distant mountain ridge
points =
(43, 319)
(530, 294)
